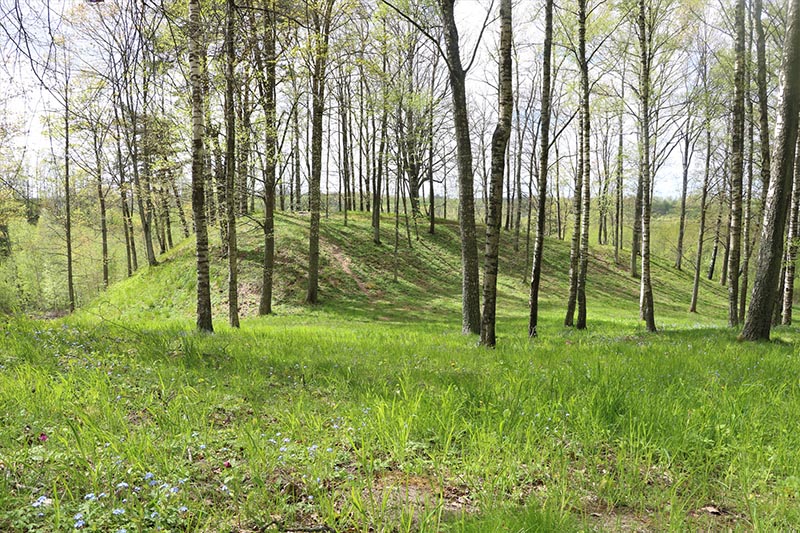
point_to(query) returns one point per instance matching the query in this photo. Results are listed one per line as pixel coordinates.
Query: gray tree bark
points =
(470, 296)
(500, 138)
(198, 157)
(737, 169)
(757, 324)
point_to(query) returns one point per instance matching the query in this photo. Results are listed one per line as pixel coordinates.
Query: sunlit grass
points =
(372, 412)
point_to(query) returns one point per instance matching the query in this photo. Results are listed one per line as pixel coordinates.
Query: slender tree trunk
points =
(620, 196)
(101, 200)
(791, 244)
(574, 251)
(583, 263)
(500, 138)
(737, 169)
(715, 249)
(701, 233)
(68, 200)
(538, 246)
(757, 324)
(763, 103)
(686, 162)
(645, 39)
(267, 87)
(322, 23)
(470, 296)
(198, 157)
(748, 206)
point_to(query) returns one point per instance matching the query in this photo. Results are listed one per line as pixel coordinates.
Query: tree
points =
(538, 246)
(230, 167)
(758, 322)
(470, 300)
(500, 138)
(737, 169)
(645, 35)
(204, 322)
(320, 19)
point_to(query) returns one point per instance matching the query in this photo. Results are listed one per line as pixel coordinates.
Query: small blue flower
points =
(148, 475)
(102, 495)
(90, 497)
(174, 490)
(122, 530)
(78, 516)
(39, 501)
(118, 511)
(182, 509)
(122, 485)
(79, 524)
(154, 515)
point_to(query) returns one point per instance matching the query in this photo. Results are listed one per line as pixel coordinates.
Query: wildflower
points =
(90, 497)
(78, 516)
(329, 450)
(202, 446)
(226, 464)
(182, 509)
(102, 495)
(79, 524)
(39, 501)
(122, 485)
(148, 475)
(283, 448)
(154, 515)
(122, 530)
(174, 490)
(118, 511)
(43, 437)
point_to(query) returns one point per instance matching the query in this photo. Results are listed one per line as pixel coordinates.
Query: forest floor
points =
(372, 412)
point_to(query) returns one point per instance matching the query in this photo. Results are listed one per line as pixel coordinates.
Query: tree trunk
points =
(757, 325)
(583, 263)
(470, 296)
(538, 245)
(645, 39)
(198, 158)
(500, 138)
(620, 196)
(68, 201)
(737, 170)
(763, 103)
(715, 250)
(701, 233)
(791, 254)
(322, 23)
(267, 88)
(101, 200)
(686, 162)
(574, 251)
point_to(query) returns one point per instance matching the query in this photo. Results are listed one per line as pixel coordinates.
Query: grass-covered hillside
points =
(371, 412)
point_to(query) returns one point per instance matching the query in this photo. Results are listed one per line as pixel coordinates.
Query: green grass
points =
(371, 412)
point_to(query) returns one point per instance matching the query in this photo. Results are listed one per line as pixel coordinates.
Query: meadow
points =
(372, 412)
